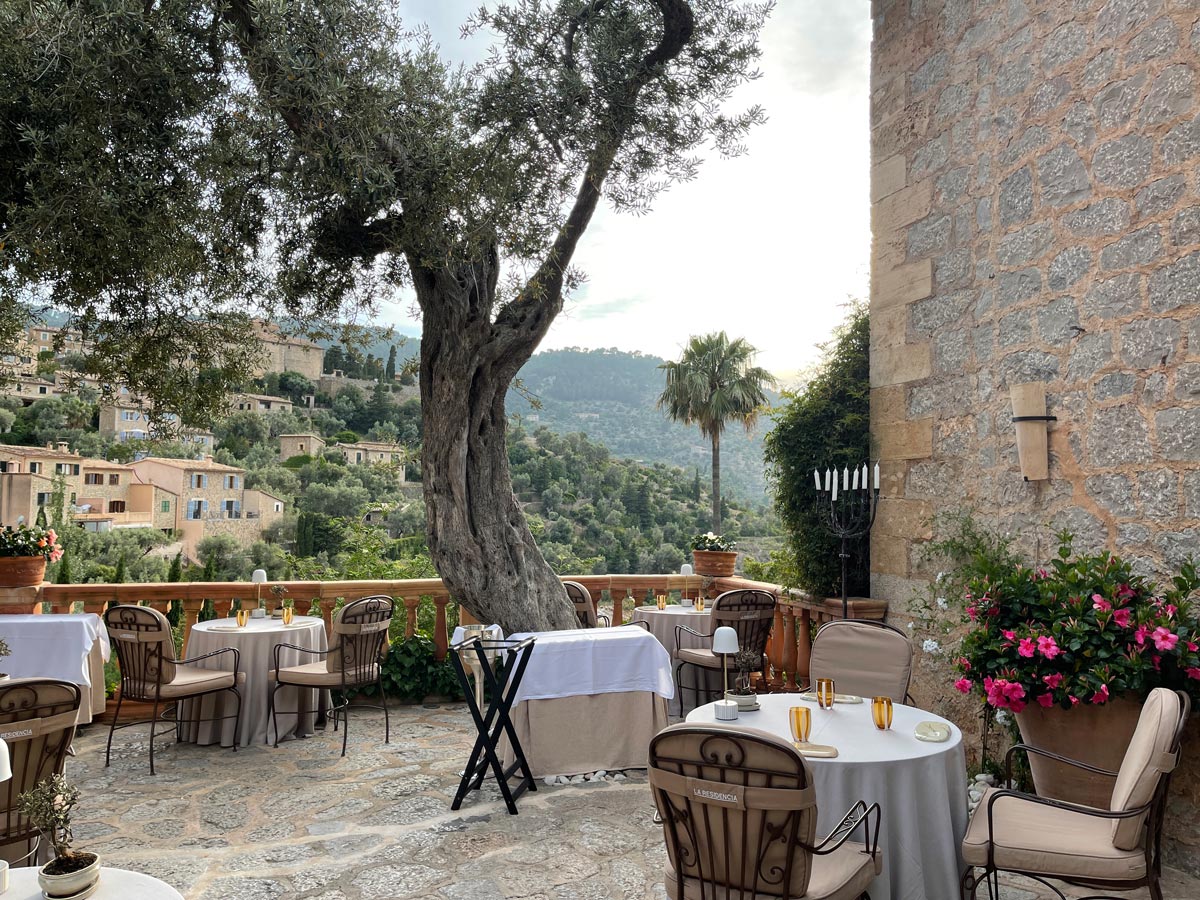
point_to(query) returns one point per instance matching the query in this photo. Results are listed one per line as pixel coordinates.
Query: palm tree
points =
(714, 383)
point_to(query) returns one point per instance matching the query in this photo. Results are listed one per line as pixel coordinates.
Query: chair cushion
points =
(1146, 759)
(189, 681)
(863, 659)
(845, 874)
(699, 656)
(1032, 837)
(314, 674)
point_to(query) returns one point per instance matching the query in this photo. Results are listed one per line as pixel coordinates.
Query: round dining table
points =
(115, 884)
(661, 623)
(299, 710)
(921, 787)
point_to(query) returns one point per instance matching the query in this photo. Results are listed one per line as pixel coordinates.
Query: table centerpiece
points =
(48, 807)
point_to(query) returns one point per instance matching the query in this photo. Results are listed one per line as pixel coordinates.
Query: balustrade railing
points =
(797, 616)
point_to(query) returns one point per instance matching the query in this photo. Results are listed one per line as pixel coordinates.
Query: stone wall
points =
(1036, 217)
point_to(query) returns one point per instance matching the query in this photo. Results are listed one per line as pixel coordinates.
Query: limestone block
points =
(903, 284)
(905, 518)
(889, 326)
(906, 440)
(897, 365)
(888, 177)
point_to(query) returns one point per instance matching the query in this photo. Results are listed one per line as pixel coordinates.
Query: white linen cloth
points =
(921, 788)
(662, 624)
(586, 661)
(494, 632)
(115, 884)
(72, 647)
(256, 644)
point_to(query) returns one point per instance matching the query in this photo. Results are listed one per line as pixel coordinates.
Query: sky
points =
(768, 246)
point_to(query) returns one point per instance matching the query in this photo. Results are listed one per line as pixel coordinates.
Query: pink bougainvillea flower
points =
(1053, 681)
(1074, 700)
(1047, 700)
(1042, 573)
(1170, 609)
(1191, 645)
(972, 613)
(1048, 647)
(964, 684)
(1100, 604)
(1101, 696)
(1026, 647)
(1124, 591)
(1164, 638)
(1010, 634)
(1122, 617)
(964, 663)
(1141, 633)
(1193, 672)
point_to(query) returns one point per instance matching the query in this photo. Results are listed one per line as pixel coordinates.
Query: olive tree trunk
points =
(478, 538)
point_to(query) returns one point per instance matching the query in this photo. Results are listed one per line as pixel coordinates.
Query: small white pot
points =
(72, 884)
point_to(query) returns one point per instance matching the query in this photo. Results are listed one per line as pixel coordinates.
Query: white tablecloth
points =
(494, 632)
(72, 647)
(115, 884)
(256, 644)
(587, 661)
(920, 788)
(662, 624)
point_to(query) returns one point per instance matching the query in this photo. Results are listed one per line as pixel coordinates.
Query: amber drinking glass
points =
(881, 712)
(801, 721)
(243, 616)
(288, 612)
(825, 693)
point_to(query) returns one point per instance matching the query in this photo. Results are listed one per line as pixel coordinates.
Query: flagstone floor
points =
(302, 822)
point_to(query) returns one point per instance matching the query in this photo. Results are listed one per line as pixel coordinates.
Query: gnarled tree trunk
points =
(478, 537)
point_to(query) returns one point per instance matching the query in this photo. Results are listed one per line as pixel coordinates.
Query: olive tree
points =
(172, 158)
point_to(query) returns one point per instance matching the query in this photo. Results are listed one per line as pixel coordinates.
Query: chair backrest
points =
(361, 638)
(145, 648)
(1146, 769)
(748, 612)
(37, 721)
(585, 609)
(867, 658)
(738, 808)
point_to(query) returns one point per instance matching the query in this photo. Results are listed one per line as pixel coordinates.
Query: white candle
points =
(845, 478)
(827, 481)
(817, 479)
(834, 497)
(866, 487)
(876, 476)
(854, 486)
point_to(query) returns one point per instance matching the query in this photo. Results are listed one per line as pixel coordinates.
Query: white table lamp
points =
(5, 764)
(258, 578)
(685, 569)
(725, 642)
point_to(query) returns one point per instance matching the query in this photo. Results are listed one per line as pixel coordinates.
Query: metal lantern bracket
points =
(1035, 418)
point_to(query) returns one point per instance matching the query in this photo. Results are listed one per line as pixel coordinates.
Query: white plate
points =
(837, 698)
(225, 628)
(932, 732)
(86, 892)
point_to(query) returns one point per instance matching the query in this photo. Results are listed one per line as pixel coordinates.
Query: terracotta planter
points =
(22, 571)
(71, 884)
(714, 562)
(1097, 735)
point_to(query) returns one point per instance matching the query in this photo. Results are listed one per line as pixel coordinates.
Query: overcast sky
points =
(768, 246)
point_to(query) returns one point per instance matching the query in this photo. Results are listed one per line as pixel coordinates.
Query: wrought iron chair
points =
(749, 612)
(150, 673)
(37, 722)
(1119, 848)
(739, 816)
(864, 657)
(354, 661)
(585, 607)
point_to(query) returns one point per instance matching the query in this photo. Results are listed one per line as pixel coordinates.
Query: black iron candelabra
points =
(853, 497)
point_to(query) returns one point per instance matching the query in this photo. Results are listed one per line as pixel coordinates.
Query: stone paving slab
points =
(301, 822)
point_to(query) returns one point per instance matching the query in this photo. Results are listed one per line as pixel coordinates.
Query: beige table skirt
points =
(577, 735)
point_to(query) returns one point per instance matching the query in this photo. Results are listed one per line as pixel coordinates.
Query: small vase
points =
(22, 571)
(69, 884)
(719, 563)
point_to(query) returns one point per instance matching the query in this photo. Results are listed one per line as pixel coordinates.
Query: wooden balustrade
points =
(797, 617)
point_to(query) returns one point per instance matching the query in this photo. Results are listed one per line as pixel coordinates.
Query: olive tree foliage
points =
(173, 158)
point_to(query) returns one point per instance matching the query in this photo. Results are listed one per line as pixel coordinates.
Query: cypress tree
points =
(64, 570)
(390, 372)
(175, 572)
(119, 575)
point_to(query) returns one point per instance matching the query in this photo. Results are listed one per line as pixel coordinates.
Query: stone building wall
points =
(1036, 217)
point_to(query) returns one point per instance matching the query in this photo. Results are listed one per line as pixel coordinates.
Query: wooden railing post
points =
(410, 616)
(618, 597)
(789, 647)
(441, 640)
(775, 648)
(804, 644)
(191, 615)
(327, 604)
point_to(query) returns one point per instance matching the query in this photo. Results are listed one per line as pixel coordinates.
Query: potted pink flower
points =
(24, 552)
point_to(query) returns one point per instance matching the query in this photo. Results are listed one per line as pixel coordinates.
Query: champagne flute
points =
(881, 712)
(825, 693)
(800, 718)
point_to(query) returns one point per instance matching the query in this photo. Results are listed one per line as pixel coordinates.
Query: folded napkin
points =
(933, 732)
(837, 698)
(817, 751)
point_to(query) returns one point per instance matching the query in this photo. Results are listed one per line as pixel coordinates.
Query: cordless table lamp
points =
(725, 642)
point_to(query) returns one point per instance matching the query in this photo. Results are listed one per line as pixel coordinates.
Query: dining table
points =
(299, 710)
(662, 624)
(920, 786)
(114, 884)
(590, 699)
(69, 646)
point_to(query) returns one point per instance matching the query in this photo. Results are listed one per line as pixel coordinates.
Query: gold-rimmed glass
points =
(881, 712)
(800, 718)
(288, 613)
(243, 616)
(825, 693)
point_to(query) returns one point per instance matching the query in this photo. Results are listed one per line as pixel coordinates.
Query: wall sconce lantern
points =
(1032, 423)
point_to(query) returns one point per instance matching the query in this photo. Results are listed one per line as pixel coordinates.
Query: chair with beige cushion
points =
(749, 612)
(739, 815)
(37, 722)
(585, 607)
(150, 673)
(1118, 848)
(360, 631)
(863, 657)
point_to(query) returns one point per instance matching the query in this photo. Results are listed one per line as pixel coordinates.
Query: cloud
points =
(821, 46)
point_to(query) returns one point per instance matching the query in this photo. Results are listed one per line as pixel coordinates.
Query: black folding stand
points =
(502, 685)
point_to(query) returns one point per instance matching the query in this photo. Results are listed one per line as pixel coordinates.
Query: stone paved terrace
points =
(301, 822)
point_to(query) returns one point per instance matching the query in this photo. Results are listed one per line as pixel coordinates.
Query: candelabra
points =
(852, 507)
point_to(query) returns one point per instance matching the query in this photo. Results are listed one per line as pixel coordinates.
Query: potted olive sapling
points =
(48, 808)
(747, 662)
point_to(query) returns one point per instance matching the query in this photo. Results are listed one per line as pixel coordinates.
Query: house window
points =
(3, 465)
(42, 389)
(93, 478)
(34, 468)
(166, 506)
(199, 481)
(43, 498)
(233, 509)
(231, 482)
(302, 446)
(45, 337)
(278, 507)
(197, 509)
(358, 457)
(114, 478)
(116, 506)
